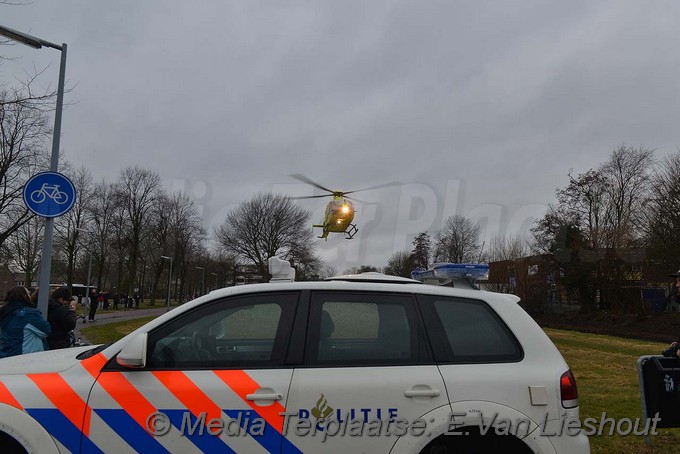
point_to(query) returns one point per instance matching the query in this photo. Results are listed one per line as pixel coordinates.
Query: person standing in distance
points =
(61, 313)
(94, 304)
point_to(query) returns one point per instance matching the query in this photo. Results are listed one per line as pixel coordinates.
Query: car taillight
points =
(568, 390)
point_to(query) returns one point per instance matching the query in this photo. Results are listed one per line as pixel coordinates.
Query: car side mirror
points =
(133, 355)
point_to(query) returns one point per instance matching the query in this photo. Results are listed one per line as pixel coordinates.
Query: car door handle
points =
(264, 396)
(422, 393)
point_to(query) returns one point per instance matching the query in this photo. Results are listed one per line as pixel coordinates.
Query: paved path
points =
(117, 316)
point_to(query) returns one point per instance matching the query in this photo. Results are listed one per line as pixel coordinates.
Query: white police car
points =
(366, 363)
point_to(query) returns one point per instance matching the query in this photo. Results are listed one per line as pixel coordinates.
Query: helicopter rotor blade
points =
(354, 199)
(304, 179)
(311, 196)
(386, 185)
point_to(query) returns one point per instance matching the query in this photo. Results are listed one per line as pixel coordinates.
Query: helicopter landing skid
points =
(351, 231)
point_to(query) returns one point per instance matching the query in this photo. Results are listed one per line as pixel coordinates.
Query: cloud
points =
(503, 97)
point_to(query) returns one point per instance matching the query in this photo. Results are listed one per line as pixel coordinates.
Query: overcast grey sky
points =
(478, 108)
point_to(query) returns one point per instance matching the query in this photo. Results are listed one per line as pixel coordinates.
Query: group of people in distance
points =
(24, 329)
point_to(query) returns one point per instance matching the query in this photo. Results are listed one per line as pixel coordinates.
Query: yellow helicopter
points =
(339, 211)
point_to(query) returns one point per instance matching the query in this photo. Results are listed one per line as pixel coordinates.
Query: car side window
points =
(472, 331)
(238, 332)
(360, 329)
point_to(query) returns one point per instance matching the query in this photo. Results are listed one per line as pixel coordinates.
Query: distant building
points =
(247, 274)
(631, 282)
(535, 279)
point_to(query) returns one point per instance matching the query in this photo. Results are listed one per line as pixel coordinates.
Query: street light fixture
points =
(202, 279)
(46, 261)
(169, 277)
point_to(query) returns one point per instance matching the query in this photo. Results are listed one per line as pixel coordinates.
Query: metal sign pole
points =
(46, 261)
(89, 276)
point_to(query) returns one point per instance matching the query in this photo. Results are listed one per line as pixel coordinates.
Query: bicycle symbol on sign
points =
(49, 191)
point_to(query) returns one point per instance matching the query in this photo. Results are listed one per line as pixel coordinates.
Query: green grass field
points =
(111, 332)
(606, 374)
(605, 368)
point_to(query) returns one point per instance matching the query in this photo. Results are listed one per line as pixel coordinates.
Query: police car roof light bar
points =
(453, 274)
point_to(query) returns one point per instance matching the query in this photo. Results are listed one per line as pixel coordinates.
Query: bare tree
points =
(457, 241)
(267, 225)
(307, 264)
(328, 271)
(309, 270)
(101, 206)
(606, 205)
(400, 264)
(662, 226)
(512, 250)
(159, 241)
(222, 269)
(628, 175)
(187, 237)
(24, 247)
(23, 132)
(70, 228)
(361, 269)
(583, 203)
(119, 245)
(137, 191)
(594, 224)
(510, 247)
(546, 229)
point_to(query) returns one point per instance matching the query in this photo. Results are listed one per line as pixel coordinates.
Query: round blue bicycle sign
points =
(49, 194)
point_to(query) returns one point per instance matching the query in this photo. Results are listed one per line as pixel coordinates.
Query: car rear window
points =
(471, 331)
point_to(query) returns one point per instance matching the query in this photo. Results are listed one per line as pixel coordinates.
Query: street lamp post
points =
(89, 271)
(169, 277)
(202, 279)
(89, 276)
(46, 261)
